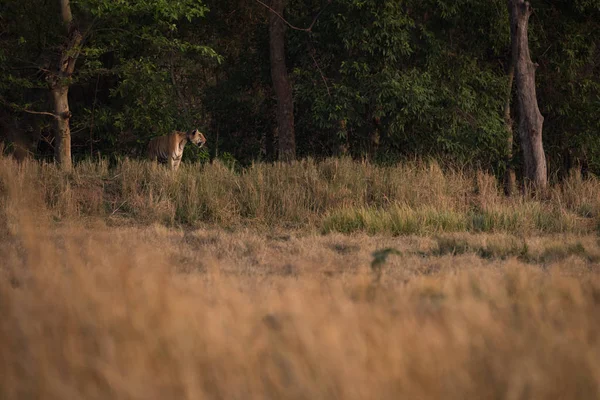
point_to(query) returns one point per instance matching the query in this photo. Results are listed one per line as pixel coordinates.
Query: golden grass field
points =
(115, 286)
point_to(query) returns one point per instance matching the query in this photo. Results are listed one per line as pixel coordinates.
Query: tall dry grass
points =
(98, 312)
(333, 195)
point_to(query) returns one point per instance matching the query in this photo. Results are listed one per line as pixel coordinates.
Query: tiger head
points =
(196, 137)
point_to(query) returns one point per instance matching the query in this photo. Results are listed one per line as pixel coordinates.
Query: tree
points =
(109, 66)
(281, 82)
(567, 50)
(530, 118)
(59, 86)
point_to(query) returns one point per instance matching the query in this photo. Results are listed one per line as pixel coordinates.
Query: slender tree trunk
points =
(59, 86)
(510, 181)
(530, 118)
(281, 83)
(374, 137)
(343, 139)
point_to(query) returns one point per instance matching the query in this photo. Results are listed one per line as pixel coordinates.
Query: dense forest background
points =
(384, 79)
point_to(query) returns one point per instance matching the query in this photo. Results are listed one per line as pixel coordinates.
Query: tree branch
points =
(18, 108)
(309, 29)
(39, 113)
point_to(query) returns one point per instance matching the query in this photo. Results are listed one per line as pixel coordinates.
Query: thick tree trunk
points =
(62, 143)
(59, 86)
(530, 118)
(281, 83)
(510, 181)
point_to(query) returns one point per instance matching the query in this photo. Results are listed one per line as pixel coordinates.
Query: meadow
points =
(314, 280)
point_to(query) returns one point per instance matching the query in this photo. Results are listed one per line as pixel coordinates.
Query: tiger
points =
(169, 148)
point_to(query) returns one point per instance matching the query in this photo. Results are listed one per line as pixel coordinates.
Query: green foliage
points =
(415, 67)
(132, 57)
(163, 11)
(145, 93)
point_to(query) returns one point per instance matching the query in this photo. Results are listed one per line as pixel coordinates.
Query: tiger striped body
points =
(169, 148)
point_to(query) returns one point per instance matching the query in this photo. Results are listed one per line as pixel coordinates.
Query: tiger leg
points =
(177, 162)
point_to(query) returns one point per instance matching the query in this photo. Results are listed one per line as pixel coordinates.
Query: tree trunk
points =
(59, 86)
(510, 181)
(343, 139)
(281, 83)
(374, 137)
(530, 118)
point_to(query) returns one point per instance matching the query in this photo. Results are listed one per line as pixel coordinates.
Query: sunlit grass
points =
(151, 309)
(332, 195)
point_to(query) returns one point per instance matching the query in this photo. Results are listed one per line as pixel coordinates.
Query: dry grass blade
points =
(149, 311)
